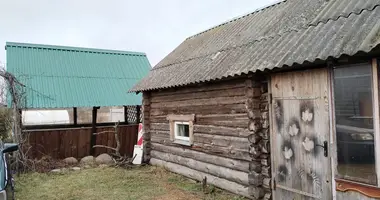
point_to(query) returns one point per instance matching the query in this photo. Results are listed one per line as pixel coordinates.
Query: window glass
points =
(354, 123)
(182, 130)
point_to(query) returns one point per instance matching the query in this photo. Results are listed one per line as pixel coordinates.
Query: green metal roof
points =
(63, 77)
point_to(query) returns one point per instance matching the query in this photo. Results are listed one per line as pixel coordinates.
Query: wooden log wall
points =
(222, 127)
(257, 106)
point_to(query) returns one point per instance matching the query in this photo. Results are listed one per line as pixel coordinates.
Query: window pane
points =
(354, 123)
(183, 130)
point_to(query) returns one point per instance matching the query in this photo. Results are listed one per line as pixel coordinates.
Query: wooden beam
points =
(376, 114)
(93, 130)
(125, 114)
(138, 112)
(75, 116)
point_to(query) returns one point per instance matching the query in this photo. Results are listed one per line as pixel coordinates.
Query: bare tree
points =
(14, 90)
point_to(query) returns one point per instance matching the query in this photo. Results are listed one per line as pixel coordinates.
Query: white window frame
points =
(376, 125)
(181, 119)
(176, 136)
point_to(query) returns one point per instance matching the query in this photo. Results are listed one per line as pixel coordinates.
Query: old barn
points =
(281, 103)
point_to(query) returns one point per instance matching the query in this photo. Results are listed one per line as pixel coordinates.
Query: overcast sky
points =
(155, 27)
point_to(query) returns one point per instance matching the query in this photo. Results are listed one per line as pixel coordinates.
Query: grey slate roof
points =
(287, 33)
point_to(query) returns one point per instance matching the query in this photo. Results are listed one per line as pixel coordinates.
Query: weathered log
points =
(255, 166)
(223, 141)
(254, 114)
(254, 125)
(200, 109)
(197, 175)
(199, 102)
(239, 154)
(215, 170)
(265, 119)
(160, 126)
(264, 133)
(212, 159)
(257, 192)
(227, 120)
(254, 151)
(254, 138)
(267, 196)
(252, 92)
(222, 87)
(265, 161)
(218, 130)
(198, 95)
(266, 171)
(255, 179)
(265, 147)
(267, 183)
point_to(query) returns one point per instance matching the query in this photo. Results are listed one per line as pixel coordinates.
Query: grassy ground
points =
(143, 183)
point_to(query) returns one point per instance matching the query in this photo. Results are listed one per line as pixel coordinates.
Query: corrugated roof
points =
(287, 33)
(63, 77)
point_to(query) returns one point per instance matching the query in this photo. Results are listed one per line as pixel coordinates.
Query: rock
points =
(70, 160)
(75, 168)
(87, 167)
(62, 170)
(56, 171)
(104, 159)
(103, 166)
(88, 160)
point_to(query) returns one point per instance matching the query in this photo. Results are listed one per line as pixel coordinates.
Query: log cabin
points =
(281, 103)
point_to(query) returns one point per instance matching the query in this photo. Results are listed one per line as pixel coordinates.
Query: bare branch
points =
(103, 146)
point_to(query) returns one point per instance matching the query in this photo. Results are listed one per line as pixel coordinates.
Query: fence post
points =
(138, 111)
(93, 130)
(75, 116)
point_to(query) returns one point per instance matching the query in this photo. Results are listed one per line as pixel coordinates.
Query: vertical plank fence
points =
(75, 142)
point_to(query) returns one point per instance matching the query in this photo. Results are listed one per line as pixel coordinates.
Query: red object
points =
(140, 135)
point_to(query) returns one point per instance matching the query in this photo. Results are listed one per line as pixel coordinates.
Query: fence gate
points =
(300, 114)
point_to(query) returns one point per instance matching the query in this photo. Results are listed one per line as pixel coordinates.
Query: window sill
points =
(182, 142)
(367, 190)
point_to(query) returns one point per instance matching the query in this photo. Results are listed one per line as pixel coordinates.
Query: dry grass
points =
(143, 183)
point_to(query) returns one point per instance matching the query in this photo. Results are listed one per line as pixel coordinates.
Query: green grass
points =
(143, 183)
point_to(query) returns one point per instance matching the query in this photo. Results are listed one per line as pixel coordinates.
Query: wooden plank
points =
(38, 144)
(67, 139)
(54, 140)
(93, 130)
(61, 144)
(82, 149)
(215, 170)
(110, 139)
(376, 115)
(299, 170)
(197, 175)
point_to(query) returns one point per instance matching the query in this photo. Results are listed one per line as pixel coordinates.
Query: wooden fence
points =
(61, 143)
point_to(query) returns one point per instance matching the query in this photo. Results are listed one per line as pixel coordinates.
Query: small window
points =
(181, 131)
